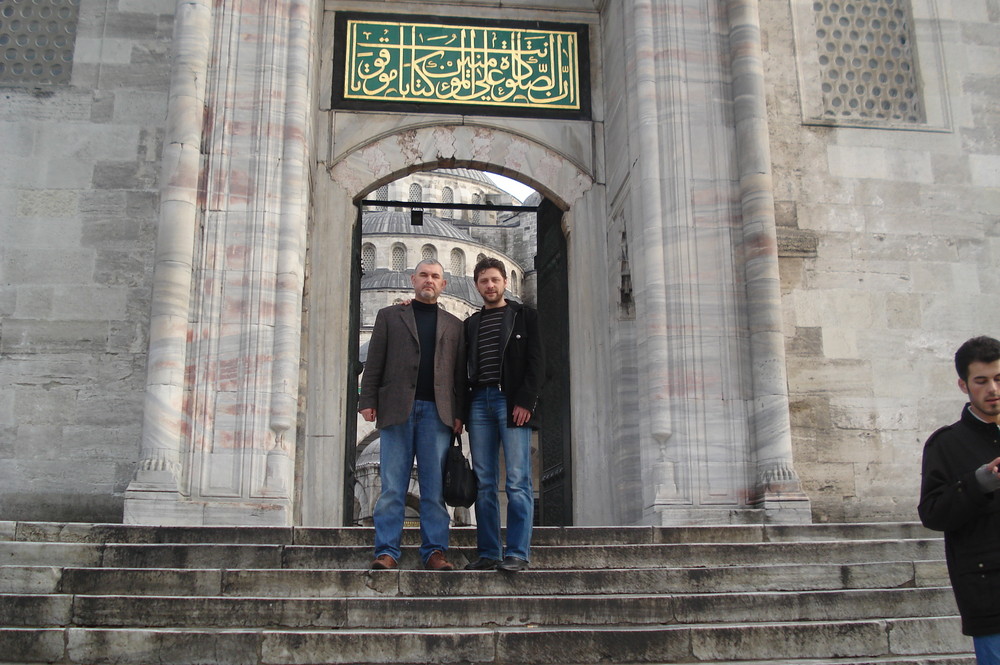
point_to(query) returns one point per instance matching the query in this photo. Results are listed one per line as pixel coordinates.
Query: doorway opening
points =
(459, 216)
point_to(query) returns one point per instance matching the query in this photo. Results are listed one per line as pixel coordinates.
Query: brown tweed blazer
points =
(389, 383)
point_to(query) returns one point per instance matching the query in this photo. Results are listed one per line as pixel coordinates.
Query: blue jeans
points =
(987, 649)
(424, 437)
(487, 431)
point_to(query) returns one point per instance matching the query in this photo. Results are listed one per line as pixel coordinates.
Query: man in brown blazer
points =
(413, 389)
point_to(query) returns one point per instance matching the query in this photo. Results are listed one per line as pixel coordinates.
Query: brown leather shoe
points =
(384, 562)
(436, 561)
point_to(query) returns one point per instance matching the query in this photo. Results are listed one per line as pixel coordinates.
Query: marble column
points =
(158, 476)
(222, 404)
(656, 424)
(777, 488)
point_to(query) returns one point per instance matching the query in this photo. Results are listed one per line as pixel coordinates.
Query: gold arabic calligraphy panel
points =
(471, 65)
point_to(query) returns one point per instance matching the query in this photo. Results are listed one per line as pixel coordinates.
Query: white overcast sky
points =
(513, 187)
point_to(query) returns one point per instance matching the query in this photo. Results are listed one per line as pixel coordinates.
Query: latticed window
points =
(382, 194)
(416, 192)
(867, 62)
(368, 257)
(428, 252)
(457, 262)
(477, 215)
(398, 257)
(480, 257)
(513, 282)
(447, 195)
(37, 38)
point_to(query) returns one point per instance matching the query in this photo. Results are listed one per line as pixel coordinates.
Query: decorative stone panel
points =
(37, 38)
(873, 63)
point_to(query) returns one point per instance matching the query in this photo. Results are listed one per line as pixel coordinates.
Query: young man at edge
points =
(505, 366)
(958, 495)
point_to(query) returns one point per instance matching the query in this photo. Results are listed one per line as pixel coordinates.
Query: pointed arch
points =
(365, 167)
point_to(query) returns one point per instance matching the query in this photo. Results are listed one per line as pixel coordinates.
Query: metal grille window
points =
(37, 38)
(457, 262)
(368, 258)
(416, 192)
(477, 216)
(382, 194)
(867, 62)
(428, 252)
(398, 258)
(447, 196)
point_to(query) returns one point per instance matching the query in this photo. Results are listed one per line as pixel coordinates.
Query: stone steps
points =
(350, 583)
(548, 557)
(821, 594)
(602, 609)
(852, 642)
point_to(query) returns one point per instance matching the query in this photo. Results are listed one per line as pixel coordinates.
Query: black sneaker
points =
(512, 564)
(483, 564)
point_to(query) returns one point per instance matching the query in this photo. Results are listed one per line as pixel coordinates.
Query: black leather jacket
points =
(952, 501)
(522, 361)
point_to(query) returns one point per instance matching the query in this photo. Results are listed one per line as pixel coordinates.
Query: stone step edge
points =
(471, 544)
(577, 597)
(88, 532)
(921, 574)
(142, 570)
(591, 610)
(851, 639)
(492, 630)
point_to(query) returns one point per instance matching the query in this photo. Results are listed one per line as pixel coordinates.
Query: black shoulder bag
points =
(460, 486)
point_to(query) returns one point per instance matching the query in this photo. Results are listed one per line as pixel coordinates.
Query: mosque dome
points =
(398, 224)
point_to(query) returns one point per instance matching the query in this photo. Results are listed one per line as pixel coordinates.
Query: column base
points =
(170, 509)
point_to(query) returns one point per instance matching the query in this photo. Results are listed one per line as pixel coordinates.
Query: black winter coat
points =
(522, 364)
(952, 501)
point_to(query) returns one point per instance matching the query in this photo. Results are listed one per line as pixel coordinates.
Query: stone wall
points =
(889, 243)
(79, 194)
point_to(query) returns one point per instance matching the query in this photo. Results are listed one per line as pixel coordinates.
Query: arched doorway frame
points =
(347, 179)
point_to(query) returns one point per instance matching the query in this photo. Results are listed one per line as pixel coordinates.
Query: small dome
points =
(461, 287)
(398, 223)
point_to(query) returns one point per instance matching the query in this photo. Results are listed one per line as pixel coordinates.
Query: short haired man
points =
(414, 385)
(958, 495)
(505, 366)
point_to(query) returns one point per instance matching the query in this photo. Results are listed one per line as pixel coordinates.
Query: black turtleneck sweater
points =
(426, 318)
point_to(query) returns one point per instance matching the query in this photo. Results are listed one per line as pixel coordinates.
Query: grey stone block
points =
(153, 581)
(568, 610)
(586, 645)
(32, 645)
(348, 646)
(908, 637)
(36, 610)
(194, 556)
(29, 579)
(799, 641)
(166, 647)
(92, 503)
(207, 612)
(89, 303)
(309, 583)
(50, 554)
(20, 336)
(48, 266)
(149, 77)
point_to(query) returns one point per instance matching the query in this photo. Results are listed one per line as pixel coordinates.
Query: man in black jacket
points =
(958, 495)
(505, 374)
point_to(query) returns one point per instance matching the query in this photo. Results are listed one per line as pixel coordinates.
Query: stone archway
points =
(349, 178)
